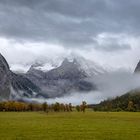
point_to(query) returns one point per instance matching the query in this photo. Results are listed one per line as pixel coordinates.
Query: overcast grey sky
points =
(105, 31)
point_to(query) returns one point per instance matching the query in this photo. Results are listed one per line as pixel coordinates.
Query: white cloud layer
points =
(21, 55)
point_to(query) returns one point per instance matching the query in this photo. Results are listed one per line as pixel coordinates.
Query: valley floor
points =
(69, 126)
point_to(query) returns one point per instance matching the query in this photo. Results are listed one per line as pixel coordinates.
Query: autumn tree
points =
(45, 107)
(62, 107)
(30, 107)
(56, 107)
(83, 106)
(78, 108)
(67, 107)
(130, 106)
(70, 107)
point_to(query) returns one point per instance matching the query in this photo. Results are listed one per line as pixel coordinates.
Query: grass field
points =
(69, 126)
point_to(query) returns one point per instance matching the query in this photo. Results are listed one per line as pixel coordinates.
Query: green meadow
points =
(69, 126)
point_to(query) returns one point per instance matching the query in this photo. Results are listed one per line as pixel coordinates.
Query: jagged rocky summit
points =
(69, 77)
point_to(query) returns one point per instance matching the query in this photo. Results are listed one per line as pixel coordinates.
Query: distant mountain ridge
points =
(66, 78)
(70, 76)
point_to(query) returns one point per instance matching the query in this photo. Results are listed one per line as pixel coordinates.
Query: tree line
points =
(56, 107)
(128, 102)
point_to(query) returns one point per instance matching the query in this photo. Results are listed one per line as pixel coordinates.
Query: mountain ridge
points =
(18, 83)
(68, 77)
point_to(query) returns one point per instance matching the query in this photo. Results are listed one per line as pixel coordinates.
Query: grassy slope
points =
(70, 126)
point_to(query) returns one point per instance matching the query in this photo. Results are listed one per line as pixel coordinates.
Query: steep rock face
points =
(137, 69)
(4, 79)
(15, 86)
(66, 78)
(23, 86)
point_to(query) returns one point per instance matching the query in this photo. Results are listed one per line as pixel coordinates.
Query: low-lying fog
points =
(109, 85)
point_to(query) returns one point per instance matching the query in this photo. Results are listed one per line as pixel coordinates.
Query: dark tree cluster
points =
(127, 102)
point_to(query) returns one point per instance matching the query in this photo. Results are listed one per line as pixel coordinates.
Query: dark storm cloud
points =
(73, 23)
